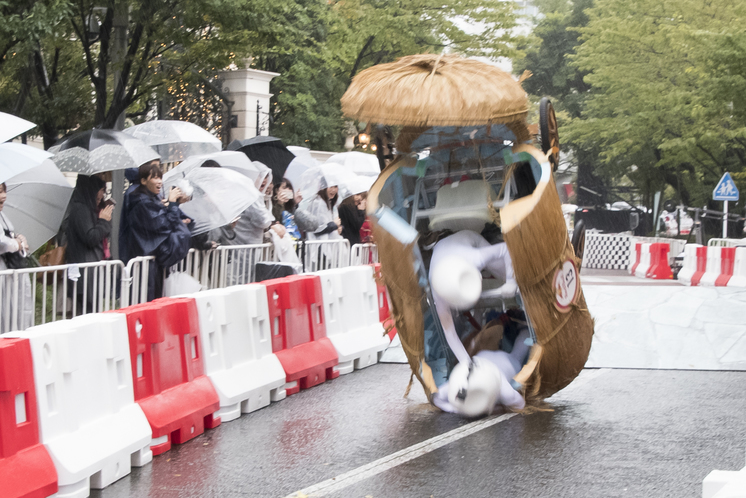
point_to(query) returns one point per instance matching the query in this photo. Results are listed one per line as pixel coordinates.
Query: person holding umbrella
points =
(13, 248)
(156, 228)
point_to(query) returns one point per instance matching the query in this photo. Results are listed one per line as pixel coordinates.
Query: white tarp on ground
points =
(667, 326)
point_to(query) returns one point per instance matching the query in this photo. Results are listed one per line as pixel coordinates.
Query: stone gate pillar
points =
(249, 91)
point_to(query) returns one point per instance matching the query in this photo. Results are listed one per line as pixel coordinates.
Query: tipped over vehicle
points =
(471, 237)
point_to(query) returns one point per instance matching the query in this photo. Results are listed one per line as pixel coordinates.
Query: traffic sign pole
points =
(725, 219)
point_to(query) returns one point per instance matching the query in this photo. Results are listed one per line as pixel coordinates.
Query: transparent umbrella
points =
(234, 160)
(175, 140)
(359, 163)
(17, 158)
(302, 162)
(11, 126)
(37, 201)
(218, 196)
(333, 174)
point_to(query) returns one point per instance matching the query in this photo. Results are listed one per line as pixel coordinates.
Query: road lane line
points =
(395, 459)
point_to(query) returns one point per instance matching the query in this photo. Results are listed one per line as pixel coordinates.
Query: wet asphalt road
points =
(614, 433)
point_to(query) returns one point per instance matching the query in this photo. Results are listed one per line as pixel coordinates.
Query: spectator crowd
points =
(152, 222)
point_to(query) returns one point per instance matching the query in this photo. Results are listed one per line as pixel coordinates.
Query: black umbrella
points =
(135, 151)
(268, 150)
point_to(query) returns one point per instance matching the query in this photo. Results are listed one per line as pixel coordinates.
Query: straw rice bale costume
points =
(464, 130)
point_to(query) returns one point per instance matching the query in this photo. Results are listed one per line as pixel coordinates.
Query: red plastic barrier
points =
(727, 262)
(384, 310)
(169, 381)
(659, 267)
(701, 265)
(26, 469)
(638, 255)
(296, 313)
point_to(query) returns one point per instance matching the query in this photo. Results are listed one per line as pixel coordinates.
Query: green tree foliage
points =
(548, 53)
(334, 40)
(667, 104)
(26, 21)
(85, 76)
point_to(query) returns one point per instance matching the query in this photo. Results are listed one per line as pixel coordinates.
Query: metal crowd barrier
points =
(726, 242)
(363, 254)
(235, 265)
(32, 296)
(135, 281)
(325, 254)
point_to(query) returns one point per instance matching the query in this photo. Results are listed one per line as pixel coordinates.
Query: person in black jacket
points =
(156, 227)
(87, 229)
(352, 218)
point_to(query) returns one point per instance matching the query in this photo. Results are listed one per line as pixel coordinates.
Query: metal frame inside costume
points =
(464, 162)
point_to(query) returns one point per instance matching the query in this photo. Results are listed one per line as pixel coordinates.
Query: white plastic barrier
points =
(237, 345)
(352, 318)
(689, 266)
(714, 266)
(725, 484)
(644, 266)
(363, 254)
(88, 418)
(739, 269)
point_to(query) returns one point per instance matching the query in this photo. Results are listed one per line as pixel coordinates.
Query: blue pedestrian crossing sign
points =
(725, 190)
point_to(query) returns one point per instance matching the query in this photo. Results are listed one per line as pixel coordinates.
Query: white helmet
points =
(457, 282)
(473, 389)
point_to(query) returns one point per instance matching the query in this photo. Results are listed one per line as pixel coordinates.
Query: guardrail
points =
(726, 242)
(31, 296)
(235, 265)
(325, 254)
(363, 254)
(135, 281)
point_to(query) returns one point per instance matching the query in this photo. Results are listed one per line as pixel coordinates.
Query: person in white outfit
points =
(476, 385)
(323, 210)
(14, 244)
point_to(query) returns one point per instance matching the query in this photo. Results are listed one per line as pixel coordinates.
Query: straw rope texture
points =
(435, 90)
(538, 246)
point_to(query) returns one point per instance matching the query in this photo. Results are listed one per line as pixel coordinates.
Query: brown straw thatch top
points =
(435, 90)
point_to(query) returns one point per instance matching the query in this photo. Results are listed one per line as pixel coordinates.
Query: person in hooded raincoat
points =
(322, 212)
(155, 227)
(250, 229)
(256, 219)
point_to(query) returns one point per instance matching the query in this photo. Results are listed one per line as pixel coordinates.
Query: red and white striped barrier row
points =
(714, 266)
(84, 400)
(651, 261)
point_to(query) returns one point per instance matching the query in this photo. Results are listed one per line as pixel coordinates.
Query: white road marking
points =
(376, 467)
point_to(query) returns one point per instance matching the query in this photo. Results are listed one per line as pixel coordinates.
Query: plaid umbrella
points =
(268, 150)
